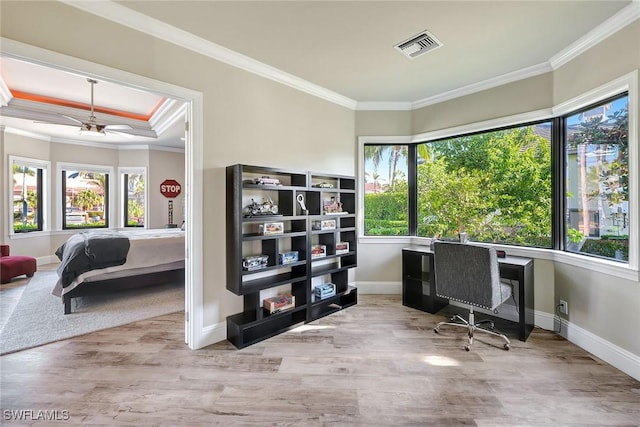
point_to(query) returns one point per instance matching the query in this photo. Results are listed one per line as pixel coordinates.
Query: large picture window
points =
(495, 186)
(133, 191)
(561, 184)
(28, 190)
(385, 190)
(597, 180)
(86, 198)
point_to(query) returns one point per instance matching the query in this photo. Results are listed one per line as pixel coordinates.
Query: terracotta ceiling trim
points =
(72, 104)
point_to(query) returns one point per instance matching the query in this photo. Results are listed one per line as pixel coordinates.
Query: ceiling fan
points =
(91, 127)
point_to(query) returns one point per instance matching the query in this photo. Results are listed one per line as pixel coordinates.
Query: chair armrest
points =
(4, 250)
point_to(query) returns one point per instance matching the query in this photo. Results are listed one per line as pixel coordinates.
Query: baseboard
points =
(49, 259)
(210, 335)
(544, 320)
(617, 357)
(379, 288)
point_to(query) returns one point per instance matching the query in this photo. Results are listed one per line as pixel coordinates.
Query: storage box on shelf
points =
(271, 212)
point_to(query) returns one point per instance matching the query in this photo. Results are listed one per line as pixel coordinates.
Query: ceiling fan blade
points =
(55, 123)
(71, 119)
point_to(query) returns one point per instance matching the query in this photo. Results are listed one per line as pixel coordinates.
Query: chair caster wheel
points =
(466, 347)
(506, 347)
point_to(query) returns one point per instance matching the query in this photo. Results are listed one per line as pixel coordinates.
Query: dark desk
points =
(419, 289)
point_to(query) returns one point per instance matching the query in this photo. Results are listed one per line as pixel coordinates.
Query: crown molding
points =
(384, 106)
(161, 30)
(609, 27)
(22, 132)
(5, 93)
(170, 111)
(514, 76)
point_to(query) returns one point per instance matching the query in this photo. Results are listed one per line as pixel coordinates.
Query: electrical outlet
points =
(564, 307)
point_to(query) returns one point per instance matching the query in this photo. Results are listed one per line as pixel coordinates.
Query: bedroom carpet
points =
(38, 316)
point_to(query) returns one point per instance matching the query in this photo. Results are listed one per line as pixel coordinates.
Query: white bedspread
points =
(150, 251)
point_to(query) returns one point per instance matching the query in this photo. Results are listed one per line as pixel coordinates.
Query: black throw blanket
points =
(90, 250)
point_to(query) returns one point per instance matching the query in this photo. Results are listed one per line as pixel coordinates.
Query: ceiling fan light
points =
(88, 129)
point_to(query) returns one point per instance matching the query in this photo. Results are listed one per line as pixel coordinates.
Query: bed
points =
(106, 261)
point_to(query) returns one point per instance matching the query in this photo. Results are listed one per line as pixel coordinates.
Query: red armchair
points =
(15, 265)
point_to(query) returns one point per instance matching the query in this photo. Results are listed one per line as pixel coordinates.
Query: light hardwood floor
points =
(374, 364)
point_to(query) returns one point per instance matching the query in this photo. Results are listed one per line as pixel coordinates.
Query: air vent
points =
(418, 45)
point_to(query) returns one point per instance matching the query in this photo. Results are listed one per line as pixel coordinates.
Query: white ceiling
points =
(41, 95)
(346, 47)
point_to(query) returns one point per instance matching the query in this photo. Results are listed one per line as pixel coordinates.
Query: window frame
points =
(60, 189)
(627, 83)
(123, 199)
(43, 194)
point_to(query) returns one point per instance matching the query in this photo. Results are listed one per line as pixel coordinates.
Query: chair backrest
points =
(4, 250)
(467, 273)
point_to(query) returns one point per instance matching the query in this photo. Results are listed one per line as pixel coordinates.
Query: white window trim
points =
(142, 170)
(83, 166)
(627, 83)
(45, 165)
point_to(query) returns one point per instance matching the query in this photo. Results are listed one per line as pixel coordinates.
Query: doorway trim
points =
(195, 335)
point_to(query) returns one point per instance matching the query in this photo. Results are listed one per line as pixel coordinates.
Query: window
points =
(133, 191)
(495, 186)
(386, 200)
(28, 194)
(86, 198)
(597, 180)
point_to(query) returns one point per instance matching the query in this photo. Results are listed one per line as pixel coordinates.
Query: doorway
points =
(193, 143)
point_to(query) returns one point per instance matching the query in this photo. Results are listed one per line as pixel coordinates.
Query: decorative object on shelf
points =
(267, 207)
(324, 291)
(271, 228)
(303, 207)
(323, 185)
(279, 303)
(254, 262)
(342, 248)
(318, 251)
(288, 257)
(325, 224)
(332, 206)
(266, 180)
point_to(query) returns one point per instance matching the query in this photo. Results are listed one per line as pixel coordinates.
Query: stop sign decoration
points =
(170, 188)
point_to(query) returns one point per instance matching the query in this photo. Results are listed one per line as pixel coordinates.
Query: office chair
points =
(469, 274)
